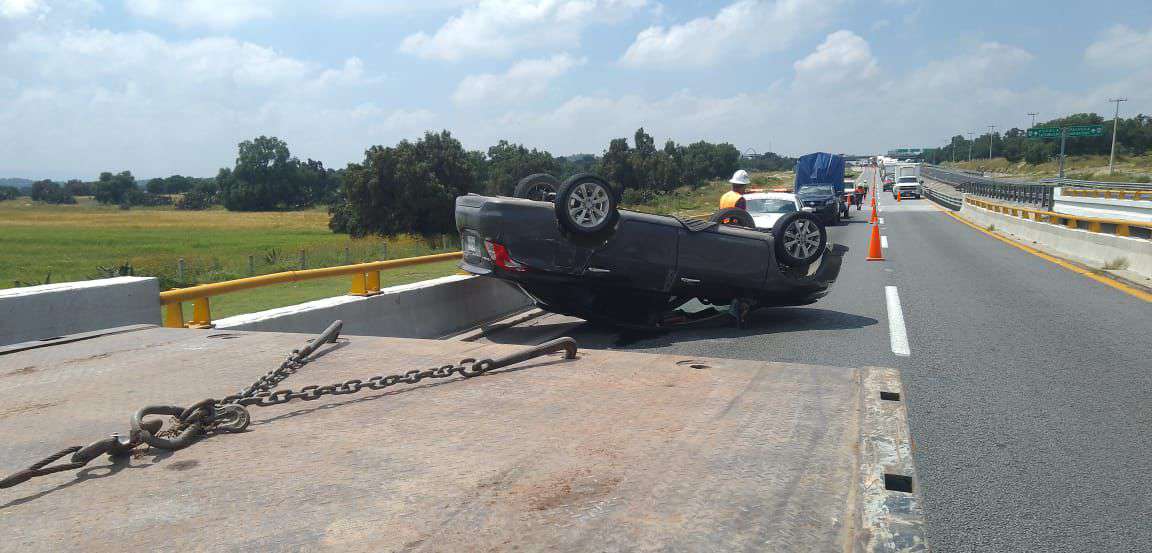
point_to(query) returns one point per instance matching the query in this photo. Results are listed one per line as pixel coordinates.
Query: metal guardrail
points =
(1119, 227)
(951, 202)
(1091, 184)
(1107, 193)
(365, 282)
(1002, 189)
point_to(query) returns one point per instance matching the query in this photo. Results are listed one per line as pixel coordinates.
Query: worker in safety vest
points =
(735, 197)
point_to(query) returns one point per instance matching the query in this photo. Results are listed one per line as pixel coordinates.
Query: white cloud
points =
(526, 79)
(500, 28)
(20, 8)
(988, 63)
(843, 56)
(208, 13)
(137, 101)
(746, 28)
(1121, 47)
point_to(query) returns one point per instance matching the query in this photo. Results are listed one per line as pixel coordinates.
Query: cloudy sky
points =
(168, 86)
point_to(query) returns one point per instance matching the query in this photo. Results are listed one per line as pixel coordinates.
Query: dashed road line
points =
(883, 241)
(897, 333)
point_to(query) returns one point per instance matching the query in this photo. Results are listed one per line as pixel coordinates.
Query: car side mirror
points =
(807, 209)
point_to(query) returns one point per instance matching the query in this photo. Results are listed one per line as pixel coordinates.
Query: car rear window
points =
(771, 205)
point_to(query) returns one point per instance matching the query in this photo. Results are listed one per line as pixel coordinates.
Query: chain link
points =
(229, 414)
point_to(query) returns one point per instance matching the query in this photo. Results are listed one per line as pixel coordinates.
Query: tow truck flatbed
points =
(612, 451)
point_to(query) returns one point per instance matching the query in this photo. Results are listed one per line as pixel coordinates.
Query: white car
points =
(906, 187)
(768, 207)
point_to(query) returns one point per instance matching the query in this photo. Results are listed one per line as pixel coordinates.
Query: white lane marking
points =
(883, 241)
(897, 334)
(881, 219)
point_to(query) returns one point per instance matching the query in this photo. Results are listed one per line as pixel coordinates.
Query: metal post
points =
(180, 270)
(1063, 139)
(303, 260)
(251, 265)
(991, 129)
(1115, 123)
(347, 255)
(971, 140)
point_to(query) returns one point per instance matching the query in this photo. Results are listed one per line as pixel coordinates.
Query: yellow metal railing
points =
(1122, 227)
(365, 282)
(1106, 193)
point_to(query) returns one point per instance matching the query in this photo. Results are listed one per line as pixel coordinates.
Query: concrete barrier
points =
(52, 310)
(1102, 208)
(428, 309)
(1092, 248)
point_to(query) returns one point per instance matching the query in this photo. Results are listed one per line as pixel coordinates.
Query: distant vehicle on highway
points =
(906, 187)
(583, 256)
(888, 182)
(768, 207)
(820, 186)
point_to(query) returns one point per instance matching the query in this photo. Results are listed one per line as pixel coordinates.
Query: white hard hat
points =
(740, 177)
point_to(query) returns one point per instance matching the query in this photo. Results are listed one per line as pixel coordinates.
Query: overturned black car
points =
(575, 252)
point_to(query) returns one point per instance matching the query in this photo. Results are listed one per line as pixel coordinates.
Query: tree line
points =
(1133, 137)
(409, 187)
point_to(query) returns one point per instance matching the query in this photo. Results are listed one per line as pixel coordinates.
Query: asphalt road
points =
(1029, 387)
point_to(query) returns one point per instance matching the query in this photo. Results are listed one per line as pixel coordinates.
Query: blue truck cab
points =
(820, 185)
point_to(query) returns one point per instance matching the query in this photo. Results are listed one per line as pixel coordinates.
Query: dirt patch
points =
(22, 371)
(16, 410)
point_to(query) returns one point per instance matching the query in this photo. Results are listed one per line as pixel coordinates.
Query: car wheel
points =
(799, 239)
(586, 204)
(733, 216)
(541, 187)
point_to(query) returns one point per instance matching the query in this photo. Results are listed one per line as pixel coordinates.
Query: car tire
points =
(733, 216)
(799, 239)
(541, 187)
(586, 205)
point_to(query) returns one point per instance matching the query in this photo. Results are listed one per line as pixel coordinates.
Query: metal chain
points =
(229, 414)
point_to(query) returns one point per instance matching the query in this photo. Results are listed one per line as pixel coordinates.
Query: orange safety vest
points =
(732, 199)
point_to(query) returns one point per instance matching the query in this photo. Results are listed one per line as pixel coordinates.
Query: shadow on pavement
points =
(763, 322)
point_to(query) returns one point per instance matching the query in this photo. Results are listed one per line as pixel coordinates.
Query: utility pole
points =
(1115, 123)
(1033, 114)
(991, 128)
(952, 148)
(971, 141)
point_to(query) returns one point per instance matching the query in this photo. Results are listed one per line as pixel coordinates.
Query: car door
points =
(640, 254)
(723, 261)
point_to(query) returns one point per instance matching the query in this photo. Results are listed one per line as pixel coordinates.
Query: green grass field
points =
(1128, 168)
(59, 243)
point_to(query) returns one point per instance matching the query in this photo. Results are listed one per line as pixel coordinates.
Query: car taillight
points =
(500, 256)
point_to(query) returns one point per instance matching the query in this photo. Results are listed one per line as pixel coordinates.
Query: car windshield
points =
(771, 205)
(907, 179)
(816, 189)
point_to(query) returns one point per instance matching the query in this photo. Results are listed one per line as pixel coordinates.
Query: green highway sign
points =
(1074, 131)
(1044, 132)
(1085, 130)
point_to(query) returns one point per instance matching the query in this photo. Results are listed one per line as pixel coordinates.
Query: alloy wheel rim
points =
(588, 204)
(540, 192)
(801, 239)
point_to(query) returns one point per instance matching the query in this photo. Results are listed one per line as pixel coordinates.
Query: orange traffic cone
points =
(875, 253)
(898, 197)
(874, 220)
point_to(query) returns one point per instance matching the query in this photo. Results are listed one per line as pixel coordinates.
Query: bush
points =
(9, 193)
(194, 200)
